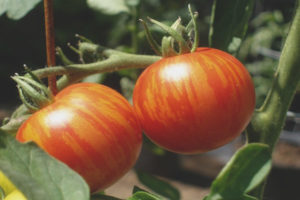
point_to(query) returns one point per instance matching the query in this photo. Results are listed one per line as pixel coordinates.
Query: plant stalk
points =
(50, 42)
(268, 121)
(115, 61)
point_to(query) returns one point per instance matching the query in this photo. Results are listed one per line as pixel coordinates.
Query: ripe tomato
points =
(194, 102)
(91, 128)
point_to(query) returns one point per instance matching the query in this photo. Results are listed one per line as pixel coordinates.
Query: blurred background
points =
(23, 42)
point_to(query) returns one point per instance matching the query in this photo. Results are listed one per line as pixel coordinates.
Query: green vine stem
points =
(268, 120)
(114, 61)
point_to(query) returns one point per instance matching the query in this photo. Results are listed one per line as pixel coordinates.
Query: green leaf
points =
(141, 195)
(229, 23)
(137, 189)
(38, 175)
(159, 186)
(109, 7)
(246, 170)
(16, 9)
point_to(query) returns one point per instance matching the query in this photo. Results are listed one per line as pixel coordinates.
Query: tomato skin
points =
(194, 102)
(91, 128)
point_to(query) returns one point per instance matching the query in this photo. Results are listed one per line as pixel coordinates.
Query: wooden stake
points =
(50, 42)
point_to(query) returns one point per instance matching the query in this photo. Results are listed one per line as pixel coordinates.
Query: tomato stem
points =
(183, 46)
(115, 60)
(50, 42)
(154, 45)
(195, 29)
(63, 57)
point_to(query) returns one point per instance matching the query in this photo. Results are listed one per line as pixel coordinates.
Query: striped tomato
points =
(194, 102)
(91, 128)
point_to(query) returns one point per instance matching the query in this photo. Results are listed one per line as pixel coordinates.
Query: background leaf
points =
(159, 186)
(246, 169)
(16, 9)
(109, 7)
(229, 23)
(38, 175)
(141, 195)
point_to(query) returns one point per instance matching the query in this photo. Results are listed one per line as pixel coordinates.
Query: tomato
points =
(91, 128)
(194, 102)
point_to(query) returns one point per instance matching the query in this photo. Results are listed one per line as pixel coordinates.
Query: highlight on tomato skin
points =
(91, 128)
(195, 102)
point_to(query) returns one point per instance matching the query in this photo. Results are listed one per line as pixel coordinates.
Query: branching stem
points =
(115, 61)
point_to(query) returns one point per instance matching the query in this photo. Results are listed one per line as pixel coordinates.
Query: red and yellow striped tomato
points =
(194, 102)
(91, 128)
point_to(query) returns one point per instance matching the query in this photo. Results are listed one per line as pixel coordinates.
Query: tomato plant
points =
(91, 128)
(188, 100)
(194, 102)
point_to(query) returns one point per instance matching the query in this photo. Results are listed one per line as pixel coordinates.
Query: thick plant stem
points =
(50, 42)
(114, 63)
(268, 121)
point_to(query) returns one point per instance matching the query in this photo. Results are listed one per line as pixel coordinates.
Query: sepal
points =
(34, 94)
(180, 40)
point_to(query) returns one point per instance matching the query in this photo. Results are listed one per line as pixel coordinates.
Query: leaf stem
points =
(154, 45)
(50, 42)
(115, 60)
(196, 33)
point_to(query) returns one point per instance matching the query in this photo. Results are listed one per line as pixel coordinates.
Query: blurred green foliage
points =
(260, 50)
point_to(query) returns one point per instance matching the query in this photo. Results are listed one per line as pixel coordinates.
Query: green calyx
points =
(33, 93)
(181, 39)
